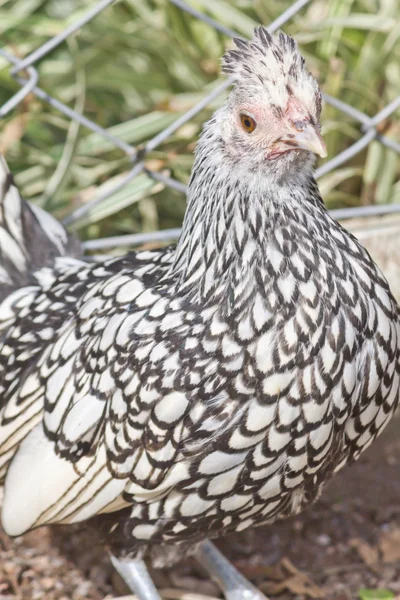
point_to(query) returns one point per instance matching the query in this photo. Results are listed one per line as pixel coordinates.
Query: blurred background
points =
(140, 64)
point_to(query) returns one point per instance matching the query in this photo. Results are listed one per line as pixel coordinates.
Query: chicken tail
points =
(29, 237)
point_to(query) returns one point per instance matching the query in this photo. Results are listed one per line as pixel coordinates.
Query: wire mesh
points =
(25, 73)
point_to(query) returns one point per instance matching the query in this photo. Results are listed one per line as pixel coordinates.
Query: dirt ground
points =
(349, 540)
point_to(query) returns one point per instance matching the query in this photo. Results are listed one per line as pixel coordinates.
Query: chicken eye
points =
(248, 123)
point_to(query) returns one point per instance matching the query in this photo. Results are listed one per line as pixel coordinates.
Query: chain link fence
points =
(26, 74)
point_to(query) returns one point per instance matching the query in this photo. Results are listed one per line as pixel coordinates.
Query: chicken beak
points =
(308, 139)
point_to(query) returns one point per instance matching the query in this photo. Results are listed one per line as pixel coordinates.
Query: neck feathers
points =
(230, 220)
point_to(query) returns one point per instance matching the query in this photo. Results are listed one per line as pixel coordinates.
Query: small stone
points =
(48, 583)
(323, 540)
(84, 588)
(395, 586)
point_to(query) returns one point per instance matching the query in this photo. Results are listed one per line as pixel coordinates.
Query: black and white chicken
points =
(205, 388)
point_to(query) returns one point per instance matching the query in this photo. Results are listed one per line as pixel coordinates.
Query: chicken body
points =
(205, 411)
(202, 389)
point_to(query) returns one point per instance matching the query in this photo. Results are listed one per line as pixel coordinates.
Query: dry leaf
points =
(294, 581)
(368, 554)
(155, 164)
(191, 584)
(12, 132)
(389, 545)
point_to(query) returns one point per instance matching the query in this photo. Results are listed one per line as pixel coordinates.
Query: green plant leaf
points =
(379, 594)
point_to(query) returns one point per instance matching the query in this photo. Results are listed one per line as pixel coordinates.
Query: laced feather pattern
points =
(201, 389)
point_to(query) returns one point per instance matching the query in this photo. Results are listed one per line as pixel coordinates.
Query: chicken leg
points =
(232, 583)
(136, 576)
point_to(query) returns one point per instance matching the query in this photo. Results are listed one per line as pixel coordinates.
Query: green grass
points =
(141, 63)
(379, 594)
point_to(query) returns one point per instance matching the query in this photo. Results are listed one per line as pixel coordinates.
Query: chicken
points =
(185, 393)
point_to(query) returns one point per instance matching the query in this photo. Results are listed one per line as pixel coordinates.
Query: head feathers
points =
(265, 56)
(270, 64)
